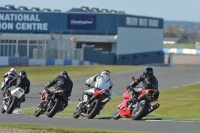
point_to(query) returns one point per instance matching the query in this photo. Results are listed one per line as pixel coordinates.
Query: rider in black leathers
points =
(63, 82)
(147, 78)
(20, 81)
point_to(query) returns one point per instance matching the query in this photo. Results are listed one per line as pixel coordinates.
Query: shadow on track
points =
(105, 118)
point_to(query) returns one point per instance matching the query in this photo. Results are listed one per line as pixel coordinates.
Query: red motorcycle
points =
(92, 107)
(51, 102)
(140, 108)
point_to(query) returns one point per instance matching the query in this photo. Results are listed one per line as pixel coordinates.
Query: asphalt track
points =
(168, 77)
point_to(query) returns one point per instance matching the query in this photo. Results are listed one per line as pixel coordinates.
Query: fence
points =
(38, 48)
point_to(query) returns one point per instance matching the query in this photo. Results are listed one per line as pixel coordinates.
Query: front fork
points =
(6, 103)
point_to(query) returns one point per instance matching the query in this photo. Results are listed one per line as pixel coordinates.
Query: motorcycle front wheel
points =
(94, 108)
(12, 105)
(116, 114)
(37, 112)
(51, 112)
(76, 113)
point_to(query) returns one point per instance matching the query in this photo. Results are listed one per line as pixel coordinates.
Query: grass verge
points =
(180, 46)
(6, 127)
(47, 73)
(176, 104)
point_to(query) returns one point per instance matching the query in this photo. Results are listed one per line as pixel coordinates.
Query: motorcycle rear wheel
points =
(76, 113)
(55, 108)
(138, 114)
(96, 106)
(116, 114)
(12, 105)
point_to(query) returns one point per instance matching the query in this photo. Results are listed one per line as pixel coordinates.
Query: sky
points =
(176, 10)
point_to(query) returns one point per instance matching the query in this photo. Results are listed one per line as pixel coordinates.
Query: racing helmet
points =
(105, 72)
(22, 73)
(64, 73)
(148, 70)
(13, 70)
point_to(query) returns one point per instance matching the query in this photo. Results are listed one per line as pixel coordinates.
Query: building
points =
(97, 35)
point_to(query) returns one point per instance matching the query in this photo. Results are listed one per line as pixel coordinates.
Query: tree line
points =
(184, 33)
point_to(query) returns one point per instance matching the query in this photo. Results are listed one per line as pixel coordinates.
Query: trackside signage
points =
(81, 22)
(22, 22)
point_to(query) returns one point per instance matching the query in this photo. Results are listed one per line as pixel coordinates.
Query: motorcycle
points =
(139, 109)
(12, 100)
(93, 106)
(51, 102)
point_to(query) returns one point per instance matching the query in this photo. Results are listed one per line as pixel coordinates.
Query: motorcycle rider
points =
(20, 81)
(63, 82)
(102, 81)
(147, 78)
(10, 75)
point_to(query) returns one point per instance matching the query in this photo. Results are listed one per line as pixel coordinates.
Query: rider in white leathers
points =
(102, 81)
(9, 75)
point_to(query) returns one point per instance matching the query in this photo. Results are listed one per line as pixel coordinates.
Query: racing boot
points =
(3, 110)
(19, 104)
(64, 105)
(22, 100)
(2, 87)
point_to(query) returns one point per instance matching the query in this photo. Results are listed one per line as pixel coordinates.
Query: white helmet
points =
(105, 72)
(13, 70)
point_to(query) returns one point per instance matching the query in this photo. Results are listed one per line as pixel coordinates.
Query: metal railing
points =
(38, 48)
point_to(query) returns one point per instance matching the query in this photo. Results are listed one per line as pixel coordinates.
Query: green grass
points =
(179, 104)
(181, 46)
(176, 104)
(48, 73)
(45, 129)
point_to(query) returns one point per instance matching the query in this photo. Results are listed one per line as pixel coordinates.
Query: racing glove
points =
(88, 85)
(46, 86)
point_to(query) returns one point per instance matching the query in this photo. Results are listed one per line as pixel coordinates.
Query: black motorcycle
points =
(51, 102)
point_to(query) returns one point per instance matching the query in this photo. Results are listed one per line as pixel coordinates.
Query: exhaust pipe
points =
(154, 107)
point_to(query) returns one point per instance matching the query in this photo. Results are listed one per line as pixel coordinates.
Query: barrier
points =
(25, 61)
(182, 51)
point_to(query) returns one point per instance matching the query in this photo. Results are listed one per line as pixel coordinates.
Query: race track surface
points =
(168, 77)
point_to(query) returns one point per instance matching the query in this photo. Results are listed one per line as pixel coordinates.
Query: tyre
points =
(94, 109)
(57, 104)
(12, 105)
(141, 110)
(116, 114)
(37, 112)
(76, 113)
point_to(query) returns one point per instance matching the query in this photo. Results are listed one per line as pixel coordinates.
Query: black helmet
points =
(148, 70)
(22, 73)
(64, 73)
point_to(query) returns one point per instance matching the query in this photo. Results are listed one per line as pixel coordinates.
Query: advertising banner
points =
(81, 22)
